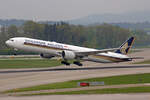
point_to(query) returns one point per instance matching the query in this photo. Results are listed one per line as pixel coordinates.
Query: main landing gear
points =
(75, 62)
(65, 63)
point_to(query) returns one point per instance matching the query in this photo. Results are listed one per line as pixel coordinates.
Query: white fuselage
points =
(54, 48)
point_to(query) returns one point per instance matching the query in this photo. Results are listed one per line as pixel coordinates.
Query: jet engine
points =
(68, 55)
(48, 56)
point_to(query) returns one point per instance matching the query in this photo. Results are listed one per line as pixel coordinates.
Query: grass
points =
(27, 63)
(19, 57)
(113, 80)
(143, 62)
(100, 91)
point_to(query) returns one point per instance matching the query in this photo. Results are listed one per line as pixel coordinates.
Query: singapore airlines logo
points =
(124, 48)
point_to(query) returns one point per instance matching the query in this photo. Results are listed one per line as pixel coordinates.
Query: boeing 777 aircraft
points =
(48, 49)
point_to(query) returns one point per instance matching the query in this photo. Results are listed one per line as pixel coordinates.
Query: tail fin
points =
(125, 47)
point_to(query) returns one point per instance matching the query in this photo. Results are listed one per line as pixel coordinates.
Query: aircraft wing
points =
(86, 53)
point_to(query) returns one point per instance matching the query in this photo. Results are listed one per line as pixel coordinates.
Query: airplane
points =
(48, 49)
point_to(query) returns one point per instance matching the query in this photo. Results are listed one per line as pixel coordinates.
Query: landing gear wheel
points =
(78, 63)
(65, 62)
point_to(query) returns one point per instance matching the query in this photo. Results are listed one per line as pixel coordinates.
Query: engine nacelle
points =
(68, 55)
(48, 56)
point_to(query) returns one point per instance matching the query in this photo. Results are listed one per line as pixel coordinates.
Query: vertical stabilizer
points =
(125, 47)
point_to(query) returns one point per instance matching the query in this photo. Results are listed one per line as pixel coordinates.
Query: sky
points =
(56, 10)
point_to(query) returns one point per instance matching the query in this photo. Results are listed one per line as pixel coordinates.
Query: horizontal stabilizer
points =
(137, 58)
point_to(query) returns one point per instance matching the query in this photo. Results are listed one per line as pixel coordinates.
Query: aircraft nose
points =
(7, 42)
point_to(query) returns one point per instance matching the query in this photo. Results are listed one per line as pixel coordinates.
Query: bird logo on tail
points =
(125, 47)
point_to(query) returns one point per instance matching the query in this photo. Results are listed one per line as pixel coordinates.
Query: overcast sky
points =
(67, 9)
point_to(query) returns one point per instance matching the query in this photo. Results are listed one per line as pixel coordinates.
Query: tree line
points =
(95, 36)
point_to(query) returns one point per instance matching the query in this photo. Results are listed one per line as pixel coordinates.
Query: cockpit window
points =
(11, 40)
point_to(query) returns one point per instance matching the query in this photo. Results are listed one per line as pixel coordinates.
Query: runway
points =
(145, 96)
(18, 78)
(71, 69)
